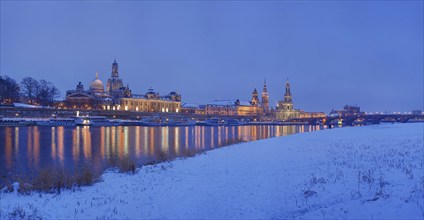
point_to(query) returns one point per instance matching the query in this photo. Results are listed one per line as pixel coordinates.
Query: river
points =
(27, 150)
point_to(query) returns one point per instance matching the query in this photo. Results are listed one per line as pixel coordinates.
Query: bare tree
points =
(9, 90)
(29, 87)
(47, 93)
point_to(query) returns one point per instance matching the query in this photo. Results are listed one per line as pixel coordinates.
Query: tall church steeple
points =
(265, 98)
(288, 95)
(114, 83)
(115, 66)
(285, 108)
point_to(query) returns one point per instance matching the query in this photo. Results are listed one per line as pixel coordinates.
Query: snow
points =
(223, 103)
(15, 186)
(189, 105)
(23, 105)
(355, 172)
(245, 103)
(229, 103)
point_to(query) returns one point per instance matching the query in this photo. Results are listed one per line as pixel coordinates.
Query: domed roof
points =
(97, 85)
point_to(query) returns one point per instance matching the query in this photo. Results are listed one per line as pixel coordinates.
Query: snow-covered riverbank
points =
(356, 172)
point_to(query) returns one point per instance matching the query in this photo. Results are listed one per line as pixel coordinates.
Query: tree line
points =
(32, 91)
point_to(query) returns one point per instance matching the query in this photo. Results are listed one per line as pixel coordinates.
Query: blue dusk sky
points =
(368, 53)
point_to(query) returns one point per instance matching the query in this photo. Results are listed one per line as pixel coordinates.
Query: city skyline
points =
(210, 51)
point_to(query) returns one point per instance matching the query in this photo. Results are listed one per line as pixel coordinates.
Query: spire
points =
(115, 69)
(265, 98)
(97, 75)
(264, 89)
(288, 95)
(287, 87)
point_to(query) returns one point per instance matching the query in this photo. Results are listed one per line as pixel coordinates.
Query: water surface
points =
(26, 150)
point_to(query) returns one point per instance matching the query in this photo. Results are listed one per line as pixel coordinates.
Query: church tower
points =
(114, 83)
(285, 107)
(288, 100)
(115, 66)
(255, 98)
(265, 98)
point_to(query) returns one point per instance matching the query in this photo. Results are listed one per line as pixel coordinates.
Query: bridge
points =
(349, 120)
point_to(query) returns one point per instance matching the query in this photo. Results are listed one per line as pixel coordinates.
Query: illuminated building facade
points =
(151, 102)
(303, 114)
(348, 110)
(235, 108)
(187, 108)
(285, 108)
(221, 107)
(120, 97)
(265, 99)
(255, 98)
(93, 98)
(249, 108)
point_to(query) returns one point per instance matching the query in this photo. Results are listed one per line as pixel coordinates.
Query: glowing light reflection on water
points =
(28, 149)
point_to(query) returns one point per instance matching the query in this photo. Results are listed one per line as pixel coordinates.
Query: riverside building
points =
(152, 102)
(93, 98)
(285, 108)
(240, 108)
(120, 97)
(265, 99)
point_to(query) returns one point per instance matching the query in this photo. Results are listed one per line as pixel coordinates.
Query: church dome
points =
(97, 85)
